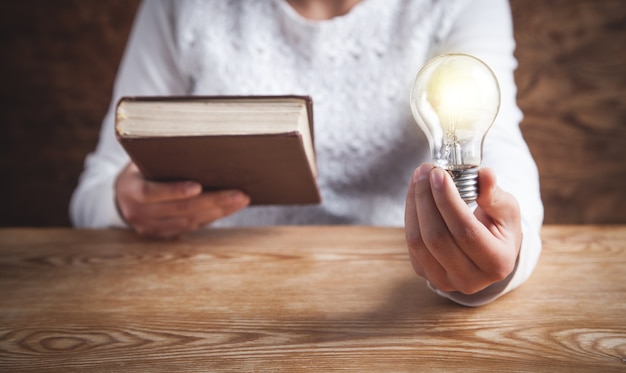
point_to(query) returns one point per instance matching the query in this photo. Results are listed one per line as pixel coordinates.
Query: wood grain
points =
(297, 299)
(572, 90)
(59, 61)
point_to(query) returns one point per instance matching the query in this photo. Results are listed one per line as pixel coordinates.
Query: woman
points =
(357, 60)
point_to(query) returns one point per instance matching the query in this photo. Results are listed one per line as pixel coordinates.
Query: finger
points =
(153, 192)
(437, 245)
(417, 266)
(491, 256)
(480, 248)
(144, 191)
(465, 229)
(196, 211)
(500, 208)
(208, 206)
(433, 225)
(188, 217)
(411, 228)
(499, 211)
(234, 201)
(411, 224)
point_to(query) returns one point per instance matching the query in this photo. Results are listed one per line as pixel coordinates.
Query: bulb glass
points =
(455, 99)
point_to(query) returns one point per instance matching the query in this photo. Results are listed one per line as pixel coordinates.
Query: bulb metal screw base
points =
(466, 181)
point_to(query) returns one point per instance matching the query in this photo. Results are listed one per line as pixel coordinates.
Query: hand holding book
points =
(239, 150)
(171, 209)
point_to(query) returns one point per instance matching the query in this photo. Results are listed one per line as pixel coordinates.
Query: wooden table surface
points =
(297, 299)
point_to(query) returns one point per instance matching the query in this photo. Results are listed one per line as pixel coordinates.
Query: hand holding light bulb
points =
(455, 99)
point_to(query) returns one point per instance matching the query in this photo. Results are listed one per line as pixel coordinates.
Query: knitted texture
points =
(357, 68)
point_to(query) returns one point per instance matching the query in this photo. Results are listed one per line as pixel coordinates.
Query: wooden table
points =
(297, 299)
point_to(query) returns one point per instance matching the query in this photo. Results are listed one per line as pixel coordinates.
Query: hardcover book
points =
(261, 145)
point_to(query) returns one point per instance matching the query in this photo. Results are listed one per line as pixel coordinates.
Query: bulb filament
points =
(452, 151)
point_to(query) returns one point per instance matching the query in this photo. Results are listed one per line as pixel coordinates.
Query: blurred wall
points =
(572, 89)
(59, 59)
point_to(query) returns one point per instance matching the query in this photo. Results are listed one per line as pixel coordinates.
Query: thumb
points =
(131, 183)
(495, 204)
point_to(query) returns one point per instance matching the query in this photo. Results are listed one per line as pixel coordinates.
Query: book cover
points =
(261, 145)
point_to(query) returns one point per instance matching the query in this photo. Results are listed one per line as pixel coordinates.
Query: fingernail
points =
(237, 197)
(192, 188)
(437, 177)
(424, 171)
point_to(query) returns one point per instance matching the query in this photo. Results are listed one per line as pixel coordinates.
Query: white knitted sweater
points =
(357, 68)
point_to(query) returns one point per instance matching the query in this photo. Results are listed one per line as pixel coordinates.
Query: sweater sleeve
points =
(484, 28)
(150, 66)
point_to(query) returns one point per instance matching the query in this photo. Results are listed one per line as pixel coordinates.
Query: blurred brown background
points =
(59, 60)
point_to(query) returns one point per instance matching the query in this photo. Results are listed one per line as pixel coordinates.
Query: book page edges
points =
(217, 115)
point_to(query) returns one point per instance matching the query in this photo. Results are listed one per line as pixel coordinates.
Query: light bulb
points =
(455, 99)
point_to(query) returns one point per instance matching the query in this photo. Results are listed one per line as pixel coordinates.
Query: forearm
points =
(484, 29)
(93, 202)
(149, 67)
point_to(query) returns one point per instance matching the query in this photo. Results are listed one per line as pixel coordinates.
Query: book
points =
(261, 145)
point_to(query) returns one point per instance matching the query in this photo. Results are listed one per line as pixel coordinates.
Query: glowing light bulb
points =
(454, 99)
